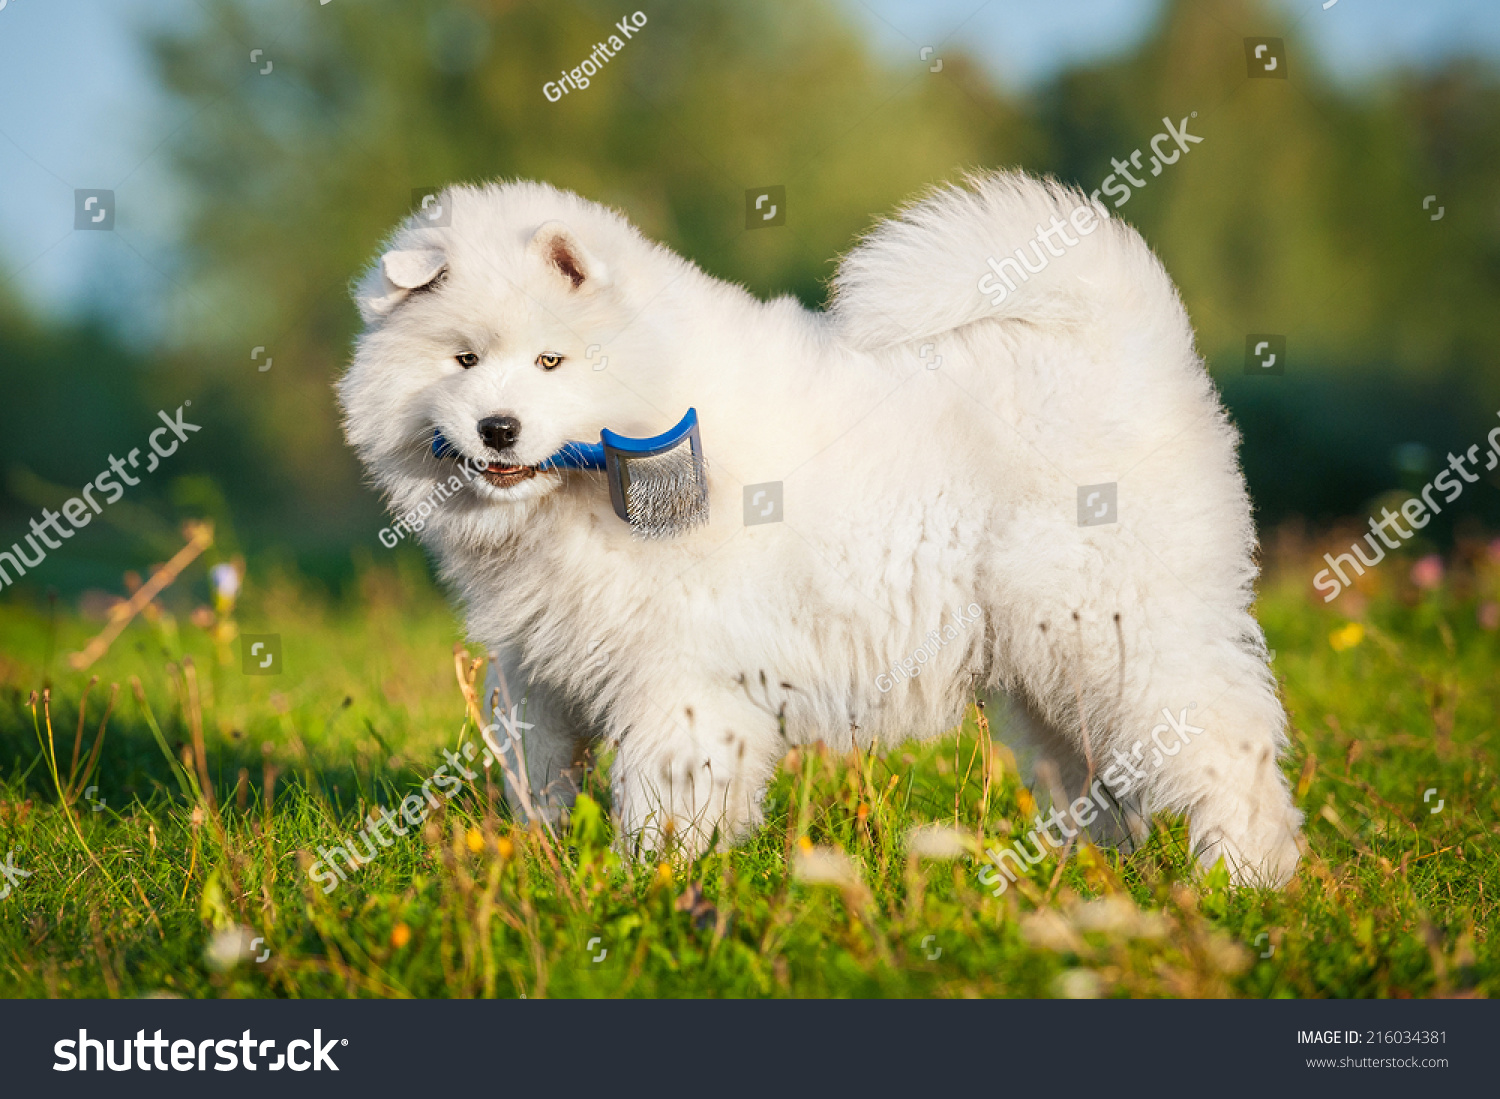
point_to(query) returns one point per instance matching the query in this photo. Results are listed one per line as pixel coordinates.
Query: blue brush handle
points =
(576, 456)
(570, 456)
(591, 455)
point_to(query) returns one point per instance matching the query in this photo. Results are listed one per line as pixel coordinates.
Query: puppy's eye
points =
(467, 359)
(549, 361)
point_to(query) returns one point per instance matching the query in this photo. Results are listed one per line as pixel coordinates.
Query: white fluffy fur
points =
(909, 493)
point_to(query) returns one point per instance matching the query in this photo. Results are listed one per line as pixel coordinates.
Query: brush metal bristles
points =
(666, 494)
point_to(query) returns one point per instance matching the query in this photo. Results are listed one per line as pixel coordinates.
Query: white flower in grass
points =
(938, 841)
(1118, 915)
(824, 866)
(228, 948)
(225, 579)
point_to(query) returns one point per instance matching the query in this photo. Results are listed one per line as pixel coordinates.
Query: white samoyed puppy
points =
(995, 465)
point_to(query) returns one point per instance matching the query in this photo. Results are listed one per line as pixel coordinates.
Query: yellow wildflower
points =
(1346, 636)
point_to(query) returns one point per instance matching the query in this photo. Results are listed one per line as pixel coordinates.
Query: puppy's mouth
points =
(502, 476)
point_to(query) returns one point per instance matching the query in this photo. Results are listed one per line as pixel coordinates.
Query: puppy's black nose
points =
(499, 432)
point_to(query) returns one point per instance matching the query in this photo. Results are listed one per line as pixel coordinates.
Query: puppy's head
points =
(494, 330)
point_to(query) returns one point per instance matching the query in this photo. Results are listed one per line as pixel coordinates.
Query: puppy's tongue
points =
(503, 470)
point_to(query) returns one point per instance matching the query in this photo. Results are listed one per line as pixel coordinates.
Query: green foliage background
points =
(1300, 213)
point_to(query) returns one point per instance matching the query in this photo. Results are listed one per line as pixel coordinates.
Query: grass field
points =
(137, 879)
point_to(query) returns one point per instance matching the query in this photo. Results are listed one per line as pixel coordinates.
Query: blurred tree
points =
(1301, 213)
(1302, 210)
(298, 176)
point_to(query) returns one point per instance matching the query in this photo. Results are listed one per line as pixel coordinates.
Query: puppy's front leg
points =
(694, 772)
(538, 736)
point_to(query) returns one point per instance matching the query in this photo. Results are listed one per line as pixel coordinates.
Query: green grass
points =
(1392, 899)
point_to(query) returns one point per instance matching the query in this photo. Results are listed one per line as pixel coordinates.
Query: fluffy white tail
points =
(1005, 246)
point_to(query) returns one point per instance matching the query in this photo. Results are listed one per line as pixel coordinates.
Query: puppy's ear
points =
(397, 274)
(556, 247)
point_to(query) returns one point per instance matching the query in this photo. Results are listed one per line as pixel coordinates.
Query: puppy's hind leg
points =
(1238, 802)
(1200, 732)
(538, 737)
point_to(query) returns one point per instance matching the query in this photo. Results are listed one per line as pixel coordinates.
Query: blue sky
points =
(78, 108)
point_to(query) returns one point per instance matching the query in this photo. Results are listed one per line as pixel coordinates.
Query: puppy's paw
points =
(1264, 857)
(682, 820)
